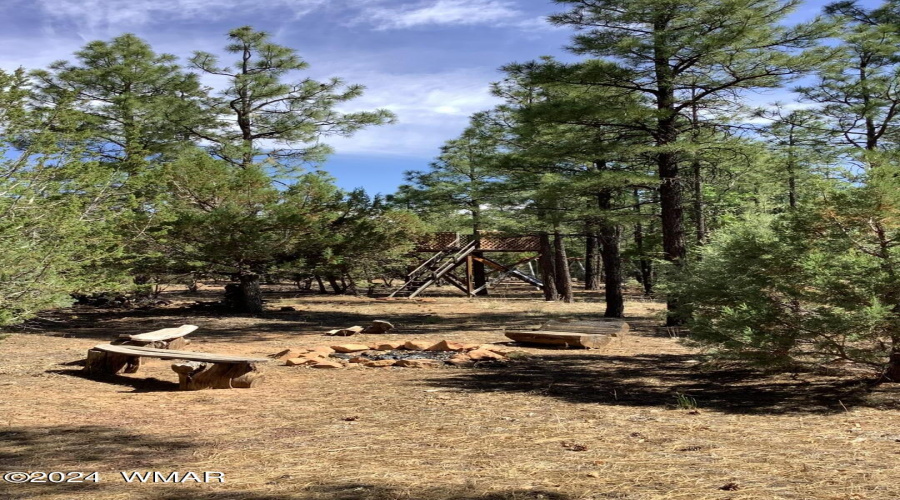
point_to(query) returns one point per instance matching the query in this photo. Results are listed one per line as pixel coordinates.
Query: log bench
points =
(167, 338)
(567, 334)
(196, 370)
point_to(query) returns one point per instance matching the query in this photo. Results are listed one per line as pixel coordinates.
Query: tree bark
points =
(591, 262)
(338, 289)
(610, 235)
(699, 218)
(696, 179)
(645, 264)
(670, 187)
(250, 294)
(892, 371)
(322, 289)
(479, 274)
(548, 269)
(563, 276)
(792, 180)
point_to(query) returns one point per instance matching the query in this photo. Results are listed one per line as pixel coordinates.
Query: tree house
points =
(451, 251)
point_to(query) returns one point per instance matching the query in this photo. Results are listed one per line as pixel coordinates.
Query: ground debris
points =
(572, 446)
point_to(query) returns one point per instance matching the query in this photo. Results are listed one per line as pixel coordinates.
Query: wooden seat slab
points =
(582, 334)
(167, 338)
(152, 352)
(199, 370)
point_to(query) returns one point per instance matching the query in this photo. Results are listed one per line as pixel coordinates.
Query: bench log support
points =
(194, 376)
(108, 363)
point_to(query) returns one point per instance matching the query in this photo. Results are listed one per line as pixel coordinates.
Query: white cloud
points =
(120, 15)
(430, 109)
(441, 12)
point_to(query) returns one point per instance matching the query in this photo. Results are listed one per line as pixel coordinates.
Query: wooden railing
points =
(490, 242)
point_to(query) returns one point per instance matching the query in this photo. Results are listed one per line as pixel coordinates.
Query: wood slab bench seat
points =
(167, 338)
(197, 370)
(580, 334)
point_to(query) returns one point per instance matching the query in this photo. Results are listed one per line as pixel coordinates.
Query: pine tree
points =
(567, 128)
(281, 121)
(271, 119)
(857, 87)
(58, 211)
(133, 104)
(664, 49)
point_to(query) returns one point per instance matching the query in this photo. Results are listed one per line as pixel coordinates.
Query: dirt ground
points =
(559, 425)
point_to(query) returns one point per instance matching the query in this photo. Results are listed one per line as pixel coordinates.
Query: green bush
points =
(794, 287)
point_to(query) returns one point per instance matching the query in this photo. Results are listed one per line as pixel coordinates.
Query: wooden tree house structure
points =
(451, 251)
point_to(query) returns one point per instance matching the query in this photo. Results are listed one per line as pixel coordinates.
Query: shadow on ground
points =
(650, 380)
(108, 324)
(365, 491)
(80, 448)
(139, 384)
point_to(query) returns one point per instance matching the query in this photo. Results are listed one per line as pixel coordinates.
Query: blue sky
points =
(429, 61)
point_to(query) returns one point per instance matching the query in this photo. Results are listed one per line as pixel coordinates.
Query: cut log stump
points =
(560, 339)
(107, 363)
(194, 376)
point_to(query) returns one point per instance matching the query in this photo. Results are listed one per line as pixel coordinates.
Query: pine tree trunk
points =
(671, 191)
(610, 234)
(591, 262)
(338, 289)
(645, 264)
(792, 180)
(696, 179)
(322, 289)
(479, 275)
(563, 276)
(699, 218)
(892, 371)
(548, 269)
(250, 294)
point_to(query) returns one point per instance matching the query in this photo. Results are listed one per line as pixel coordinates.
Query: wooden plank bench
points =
(198, 370)
(582, 334)
(167, 338)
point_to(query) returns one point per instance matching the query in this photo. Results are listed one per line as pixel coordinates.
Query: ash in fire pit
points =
(397, 355)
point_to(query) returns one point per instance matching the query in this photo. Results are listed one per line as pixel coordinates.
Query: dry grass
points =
(562, 425)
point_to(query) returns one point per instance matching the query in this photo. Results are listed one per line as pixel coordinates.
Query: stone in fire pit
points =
(411, 354)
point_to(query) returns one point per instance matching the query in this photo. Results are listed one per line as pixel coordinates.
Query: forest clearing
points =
(559, 424)
(449, 249)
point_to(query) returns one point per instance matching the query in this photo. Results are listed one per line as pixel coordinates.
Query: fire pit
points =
(411, 354)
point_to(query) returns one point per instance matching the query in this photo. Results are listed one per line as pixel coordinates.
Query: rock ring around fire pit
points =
(410, 354)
